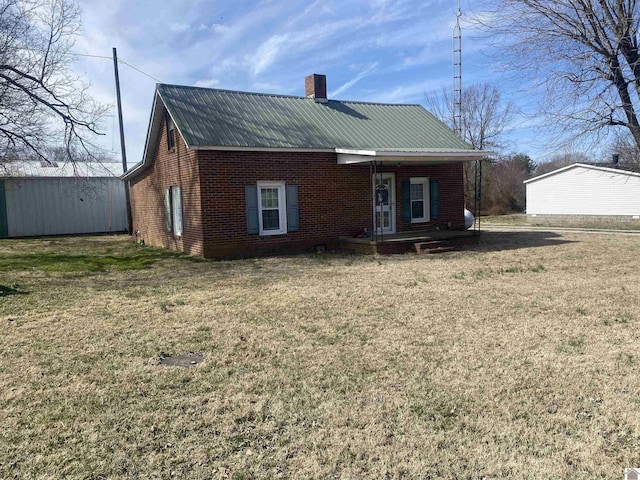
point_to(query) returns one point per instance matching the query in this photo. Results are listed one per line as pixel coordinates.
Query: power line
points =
(138, 70)
(87, 55)
(97, 56)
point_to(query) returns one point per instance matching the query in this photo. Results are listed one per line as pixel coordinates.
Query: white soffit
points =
(349, 156)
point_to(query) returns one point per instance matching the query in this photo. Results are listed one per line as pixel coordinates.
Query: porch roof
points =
(348, 156)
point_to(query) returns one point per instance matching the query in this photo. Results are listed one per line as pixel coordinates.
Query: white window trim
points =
(173, 205)
(176, 210)
(425, 198)
(282, 208)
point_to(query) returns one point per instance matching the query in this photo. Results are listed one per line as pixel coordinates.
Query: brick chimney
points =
(315, 87)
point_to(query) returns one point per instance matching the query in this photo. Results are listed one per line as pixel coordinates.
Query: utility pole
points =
(122, 146)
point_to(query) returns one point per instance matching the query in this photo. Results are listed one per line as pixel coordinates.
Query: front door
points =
(384, 212)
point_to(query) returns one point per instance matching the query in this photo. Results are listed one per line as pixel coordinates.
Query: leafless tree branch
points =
(42, 104)
(581, 54)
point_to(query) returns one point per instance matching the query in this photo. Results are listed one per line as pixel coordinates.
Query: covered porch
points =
(416, 200)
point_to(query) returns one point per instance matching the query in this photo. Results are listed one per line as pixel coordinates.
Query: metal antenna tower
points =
(457, 75)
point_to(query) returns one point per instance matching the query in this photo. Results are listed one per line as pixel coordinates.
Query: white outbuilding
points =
(41, 198)
(583, 193)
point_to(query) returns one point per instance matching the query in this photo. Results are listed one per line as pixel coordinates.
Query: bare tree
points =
(504, 190)
(562, 159)
(485, 117)
(627, 150)
(582, 54)
(41, 102)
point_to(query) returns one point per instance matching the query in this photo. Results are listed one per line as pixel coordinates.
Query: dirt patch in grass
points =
(515, 358)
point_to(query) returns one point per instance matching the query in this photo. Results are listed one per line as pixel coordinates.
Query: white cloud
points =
(268, 52)
(405, 93)
(346, 86)
(207, 83)
(269, 46)
(179, 27)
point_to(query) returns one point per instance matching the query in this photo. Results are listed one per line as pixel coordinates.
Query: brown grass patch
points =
(515, 358)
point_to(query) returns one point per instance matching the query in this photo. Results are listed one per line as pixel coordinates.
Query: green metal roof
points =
(217, 118)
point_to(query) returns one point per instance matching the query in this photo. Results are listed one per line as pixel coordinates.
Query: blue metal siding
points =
(56, 206)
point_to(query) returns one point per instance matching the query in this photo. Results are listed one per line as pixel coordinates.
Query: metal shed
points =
(37, 198)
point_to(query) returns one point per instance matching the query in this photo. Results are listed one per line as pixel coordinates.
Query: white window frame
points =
(174, 206)
(424, 181)
(282, 208)
(176, 210)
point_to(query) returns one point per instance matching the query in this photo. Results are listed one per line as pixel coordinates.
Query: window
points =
(173, 207)
(171, 133)
(419, 200)
(272, 209)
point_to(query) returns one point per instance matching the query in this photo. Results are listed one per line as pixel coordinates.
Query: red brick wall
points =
(179, 167)
(451, 194)
(334, 200)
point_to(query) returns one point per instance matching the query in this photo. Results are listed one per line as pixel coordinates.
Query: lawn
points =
(520, 219)
(517, 357)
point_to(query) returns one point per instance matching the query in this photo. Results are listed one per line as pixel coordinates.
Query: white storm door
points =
(384, 213)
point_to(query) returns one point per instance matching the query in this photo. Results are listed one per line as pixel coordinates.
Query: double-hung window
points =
(419, 199)
(272, 208)
(173, 207)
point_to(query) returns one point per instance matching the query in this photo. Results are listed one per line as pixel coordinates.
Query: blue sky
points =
(377, 50)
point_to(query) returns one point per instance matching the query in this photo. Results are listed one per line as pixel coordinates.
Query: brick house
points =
(228, 174)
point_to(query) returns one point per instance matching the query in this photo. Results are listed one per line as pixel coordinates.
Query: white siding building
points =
(582, 192)
(42, 199)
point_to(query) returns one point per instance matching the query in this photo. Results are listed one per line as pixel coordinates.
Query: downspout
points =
(381, 212)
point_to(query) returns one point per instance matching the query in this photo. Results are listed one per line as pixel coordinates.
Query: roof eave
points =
(146, 156)
(584, 165)
(263, 149)
(155, 121)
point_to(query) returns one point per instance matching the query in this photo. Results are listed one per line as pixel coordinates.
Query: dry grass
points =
(516, 358)
(512, 219)
(520, 219)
